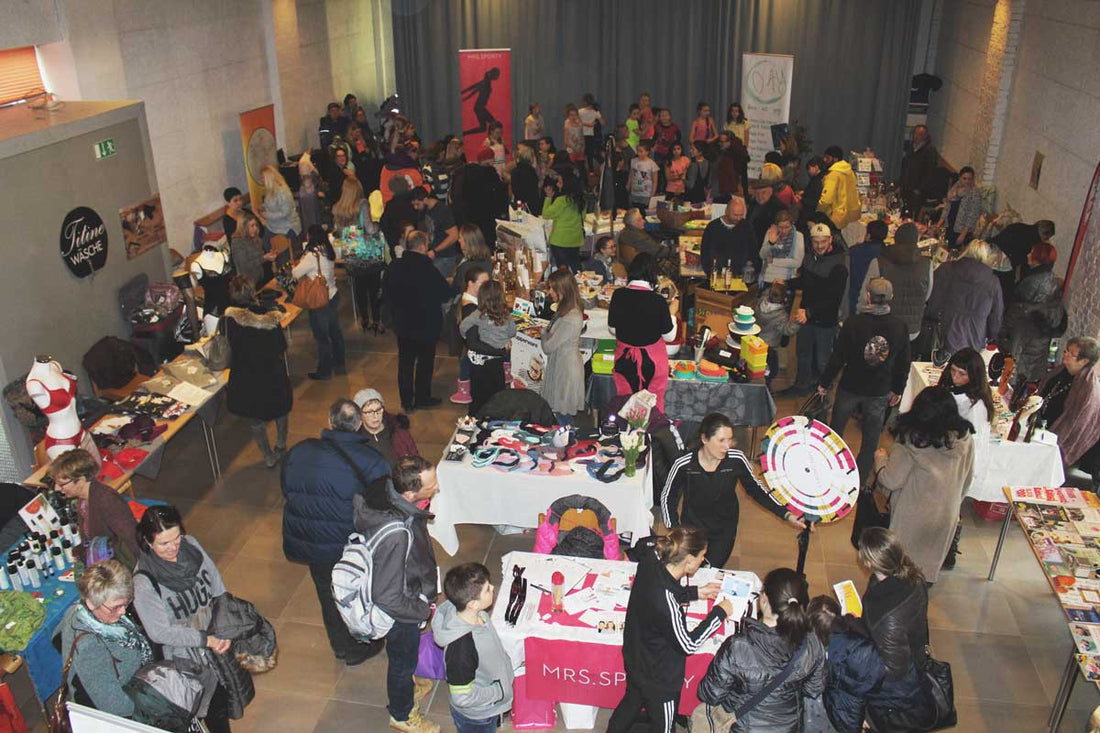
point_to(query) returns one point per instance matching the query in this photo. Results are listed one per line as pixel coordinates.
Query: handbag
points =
(715, 718)
(312, 291)
(430, 664)
(57, 717)
(814, 407)
(219, 355)
(938, 709)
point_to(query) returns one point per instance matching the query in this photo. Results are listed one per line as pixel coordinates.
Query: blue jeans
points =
(469, 725)
(446, 264)
(403, 652)
(330, 339)
(815, 345)
(874, 419)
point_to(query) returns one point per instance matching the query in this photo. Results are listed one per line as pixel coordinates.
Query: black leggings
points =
(662, 713)
(568, 256)
(367, 290)
(485, 381)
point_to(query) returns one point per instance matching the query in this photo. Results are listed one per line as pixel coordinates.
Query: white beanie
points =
(363, 396)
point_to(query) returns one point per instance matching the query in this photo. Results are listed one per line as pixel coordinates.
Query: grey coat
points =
(102, 665)
(563, 385)
(926, 487)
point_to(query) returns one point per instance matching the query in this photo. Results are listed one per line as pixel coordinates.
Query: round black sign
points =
(83, 241)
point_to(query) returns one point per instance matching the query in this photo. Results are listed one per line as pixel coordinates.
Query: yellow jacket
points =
(839, 197)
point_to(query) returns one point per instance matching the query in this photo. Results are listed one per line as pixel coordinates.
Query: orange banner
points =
(258, 141)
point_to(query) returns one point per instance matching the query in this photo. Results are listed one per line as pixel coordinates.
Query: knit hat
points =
(882, 288)
(906, 234)
(820, 230)
(365, 396)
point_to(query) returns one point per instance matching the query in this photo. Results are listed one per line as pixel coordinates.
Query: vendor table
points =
(573, 662)
(1009, 463)
(486, 495)
(744, 403)
(1062, 526)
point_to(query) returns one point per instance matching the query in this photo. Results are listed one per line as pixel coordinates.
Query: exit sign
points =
(105, 148)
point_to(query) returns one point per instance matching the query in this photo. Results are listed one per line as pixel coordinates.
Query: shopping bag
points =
(528, 714)
(430, 662)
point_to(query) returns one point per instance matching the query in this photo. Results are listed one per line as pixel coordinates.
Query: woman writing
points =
(563, 384)
(926, 473)
(107, 648)
(707, 480)
(101, 512)
(565, 207)
(656, 639)
(175, 584)
(259, 389)
(780, 647)
(641, 322)
(319, 259)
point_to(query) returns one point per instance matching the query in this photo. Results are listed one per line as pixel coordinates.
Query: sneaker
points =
(362, 652)
(421, 688)
(415, 724)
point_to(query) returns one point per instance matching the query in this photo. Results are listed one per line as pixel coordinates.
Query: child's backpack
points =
(352, 580)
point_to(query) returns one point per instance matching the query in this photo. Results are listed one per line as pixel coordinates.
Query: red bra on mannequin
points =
(59, 398)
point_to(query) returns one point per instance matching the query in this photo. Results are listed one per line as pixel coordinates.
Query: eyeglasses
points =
(373, 411)
(62, 483)
(115, 607)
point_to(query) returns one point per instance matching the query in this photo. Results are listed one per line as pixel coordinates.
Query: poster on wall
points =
(766, 99)
(142, 226)
(83, 241)
(485, 78)
(258, 140)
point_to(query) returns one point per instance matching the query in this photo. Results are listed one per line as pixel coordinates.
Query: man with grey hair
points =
(873, 351)
(634, 236)
(321, 477)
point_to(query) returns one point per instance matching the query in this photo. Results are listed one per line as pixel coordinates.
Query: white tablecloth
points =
(1006, 463)
(471, 495)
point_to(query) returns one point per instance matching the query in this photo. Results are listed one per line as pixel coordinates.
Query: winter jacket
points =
(860, 257)
(917, 169)
(546, 536)
(823, 281)
(873, 350)
(101, 666)
(281, 212)
(525, 187)
(1034, 316)
(1078, 427)
(839, 197)
(252, 635)
(926, 488)
(775, 323)
(259, 388)
(810, 198)
(518, 404)
(112, 363)
(967, 299)
(747, 662)
(896, 614)
(911, 275)
(657, 640)
(395, 441)
(563, 385)
(403, 589)
(318, 487)
(479, 671)
(393, 170)
(416, 291)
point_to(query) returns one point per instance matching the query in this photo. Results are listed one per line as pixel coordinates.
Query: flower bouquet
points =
(632, 441)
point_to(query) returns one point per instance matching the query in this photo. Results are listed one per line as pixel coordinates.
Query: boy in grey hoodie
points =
(479, 671)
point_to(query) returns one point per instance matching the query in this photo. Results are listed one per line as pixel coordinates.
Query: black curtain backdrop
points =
(853, 59)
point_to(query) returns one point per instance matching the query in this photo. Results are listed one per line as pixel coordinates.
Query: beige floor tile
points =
(277, 710)
(960, 605)
(306, 663)
(991, 668)
(303, 606)
(339, 716)
(365, 684)
(221, 527)
(264, 582)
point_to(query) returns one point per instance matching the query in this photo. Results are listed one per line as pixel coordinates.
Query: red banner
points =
(592, 674)
(485, 78)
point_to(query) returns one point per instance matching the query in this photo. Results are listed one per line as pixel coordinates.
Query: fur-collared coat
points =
(259, 387)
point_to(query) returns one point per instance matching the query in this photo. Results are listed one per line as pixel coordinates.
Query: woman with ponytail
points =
(762, 673)
(656, 640)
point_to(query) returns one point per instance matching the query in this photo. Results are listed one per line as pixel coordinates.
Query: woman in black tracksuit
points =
(656, 640)
(707, 479)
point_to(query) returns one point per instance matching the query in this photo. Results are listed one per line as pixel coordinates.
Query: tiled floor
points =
(1007, 641)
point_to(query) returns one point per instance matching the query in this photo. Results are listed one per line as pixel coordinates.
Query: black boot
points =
(953, 551)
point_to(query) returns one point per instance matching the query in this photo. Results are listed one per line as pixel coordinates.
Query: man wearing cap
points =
(823, 280)
(728, 241)
(873, 351)
(909, 272)
(765, 205)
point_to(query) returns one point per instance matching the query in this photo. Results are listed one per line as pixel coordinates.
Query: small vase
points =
(631, 461)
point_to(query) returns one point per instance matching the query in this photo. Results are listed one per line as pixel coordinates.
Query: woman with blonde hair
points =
(967, 298)
(349, 209)
(279, 210)
(563, 383)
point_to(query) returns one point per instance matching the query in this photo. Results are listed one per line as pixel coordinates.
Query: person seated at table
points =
(634, 239)
(386, 433)
(101, 511)
(656, 639)
(642, 322)
(259, 388)
(247, 251)
(479, 671)
(604, 261)
(1071, 405)
(781, 642)
(707, 480)
(105, 646)
(925, 474)
(967, 379)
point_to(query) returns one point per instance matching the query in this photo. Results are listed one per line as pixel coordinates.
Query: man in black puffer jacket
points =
(319, 485)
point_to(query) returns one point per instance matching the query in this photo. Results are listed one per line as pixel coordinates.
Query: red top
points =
(59, 398)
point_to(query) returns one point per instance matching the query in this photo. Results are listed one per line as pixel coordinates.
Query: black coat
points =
(259, 388)
(416, 292)
(897, 617)
(525, 187)
(747, 662)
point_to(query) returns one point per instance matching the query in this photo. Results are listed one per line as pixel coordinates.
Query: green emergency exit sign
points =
(105, 148)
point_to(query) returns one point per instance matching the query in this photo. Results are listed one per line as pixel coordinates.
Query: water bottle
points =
(1052, 354)
(749, 273)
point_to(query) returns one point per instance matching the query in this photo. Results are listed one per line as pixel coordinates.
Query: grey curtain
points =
(853, 59)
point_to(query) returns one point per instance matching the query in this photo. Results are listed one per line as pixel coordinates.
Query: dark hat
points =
(906, 234)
